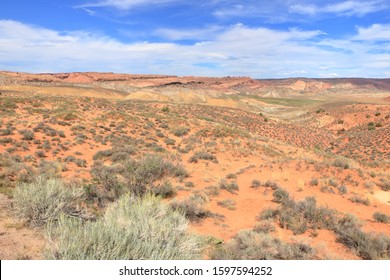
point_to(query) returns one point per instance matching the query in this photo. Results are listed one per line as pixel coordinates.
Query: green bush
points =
(131, 229)
(44, 200)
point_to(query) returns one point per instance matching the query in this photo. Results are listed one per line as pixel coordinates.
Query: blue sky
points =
(261, 39)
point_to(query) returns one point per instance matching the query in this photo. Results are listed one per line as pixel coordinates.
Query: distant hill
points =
(192, 89)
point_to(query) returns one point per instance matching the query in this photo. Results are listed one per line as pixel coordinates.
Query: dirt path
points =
(16, 240)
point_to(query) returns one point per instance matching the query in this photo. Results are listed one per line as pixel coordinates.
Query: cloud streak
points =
(125, 4)
(346, 8)
(236, 50)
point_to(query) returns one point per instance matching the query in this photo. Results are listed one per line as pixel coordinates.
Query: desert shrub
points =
(326, 189)
(27, 134)
(368, 246)
(6, 132)
(378, 125)
(314, 182)
(301, 216)
(164, 190)
(6, 140)
(70, 159)
(131, 229)
(204, 156)
(12, 170)
(268, 213)
(212, 190)
(189, 184)
(81, 162)
(381, 217)
(40, 153)
(342, 189)
(103, 154)
(333, 183)
(264, 227)
(107, 179)
(271, 184)
(231, 187)
(255, 183)
(50, 169)
(359, 200)
(385, 185)
(231, 176)
(192, 207)
(251, 245)
(44, 200)
(170, 141)
(342, 162)
(181, 131)
(227, 203)
(139, 175)
(119, 156)
(153, 168)
(280, 195)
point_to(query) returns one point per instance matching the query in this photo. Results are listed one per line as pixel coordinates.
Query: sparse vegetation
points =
(45, 200)
(250, 245)
(192, 207)
(180, 154)
(381, 217)
(203, 156)
(131, 229)
(231, 187)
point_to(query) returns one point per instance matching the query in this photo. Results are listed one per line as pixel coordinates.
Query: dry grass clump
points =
(131, 229)
(44, 200)
(304, 215)
(163, 190)
(368, 246)
(203, 156)
(135, 176)
(227, 203)
(251, 245)
(381, 217)
(193, 207)
(359, 200)
(231, 187)
(181, 131)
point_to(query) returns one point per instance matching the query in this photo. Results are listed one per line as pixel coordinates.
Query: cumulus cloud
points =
(236, 50)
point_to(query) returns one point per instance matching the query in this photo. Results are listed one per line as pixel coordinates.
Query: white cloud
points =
(376, 32)
(125, 4)
(346, 8)
(235, 50)
(188, 34)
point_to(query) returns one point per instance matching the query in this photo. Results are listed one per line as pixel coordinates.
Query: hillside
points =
(306, 170)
